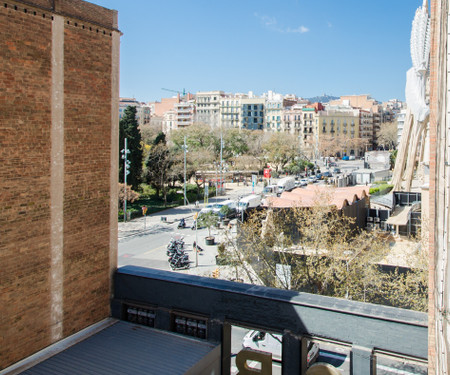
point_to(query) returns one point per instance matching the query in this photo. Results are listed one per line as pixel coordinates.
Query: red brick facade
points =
(26, 174)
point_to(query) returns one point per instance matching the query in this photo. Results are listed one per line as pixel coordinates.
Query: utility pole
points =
(126, 171)
(221, 161)
(185, 150)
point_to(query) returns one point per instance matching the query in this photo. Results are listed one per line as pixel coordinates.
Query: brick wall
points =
(27, 315)
(87, 127)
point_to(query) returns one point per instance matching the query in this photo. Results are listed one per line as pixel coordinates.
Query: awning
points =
(400, 216)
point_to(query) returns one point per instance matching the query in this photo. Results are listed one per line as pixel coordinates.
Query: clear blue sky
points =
(303, 47)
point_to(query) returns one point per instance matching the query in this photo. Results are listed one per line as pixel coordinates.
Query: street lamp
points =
(185, 149)
(126, 171)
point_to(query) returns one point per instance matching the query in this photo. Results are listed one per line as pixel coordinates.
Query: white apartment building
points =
(401, 117)
(230, 112)
(184, 114)
(208, 107)
(169, 121)
(274, 112)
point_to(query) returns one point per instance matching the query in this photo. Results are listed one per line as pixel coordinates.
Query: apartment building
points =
(366, 127)
(169, 121)
(343, 123)
(292, 119)
(401, 117)
(367, 103)
(143, 110)
(208, 107)
(230, 112)
(274, 113)
(184, 114)
(252, 113)
(166, 104)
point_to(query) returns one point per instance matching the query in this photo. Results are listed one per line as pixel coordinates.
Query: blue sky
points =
(303, 47)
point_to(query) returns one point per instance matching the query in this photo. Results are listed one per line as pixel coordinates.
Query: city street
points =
(143, 241)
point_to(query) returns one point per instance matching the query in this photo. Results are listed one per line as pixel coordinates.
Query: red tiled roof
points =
(313, 195)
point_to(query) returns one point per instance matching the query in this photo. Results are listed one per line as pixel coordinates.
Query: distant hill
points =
(323, 99)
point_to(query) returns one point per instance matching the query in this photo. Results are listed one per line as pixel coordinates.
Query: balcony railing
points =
(206, 308)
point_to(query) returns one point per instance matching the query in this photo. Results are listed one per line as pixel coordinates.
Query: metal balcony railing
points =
(207, 308)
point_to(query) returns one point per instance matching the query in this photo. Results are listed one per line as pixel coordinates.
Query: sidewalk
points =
(171, 215)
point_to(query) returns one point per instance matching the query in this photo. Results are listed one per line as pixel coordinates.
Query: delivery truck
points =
(285, 184)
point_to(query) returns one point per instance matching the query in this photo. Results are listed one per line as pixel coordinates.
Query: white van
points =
(231, 205)
(250, 201)
(270, 190)
(285, 184)
(272, 343)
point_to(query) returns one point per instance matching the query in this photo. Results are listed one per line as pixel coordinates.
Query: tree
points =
(299, 165)
(207, 220)
(387, 135)
(318, 250)
(235, 143)
(130, 194)
(255, 141)
(330, 145)
(280, 149)
(198, 137)
(129, 128)
(158, 164)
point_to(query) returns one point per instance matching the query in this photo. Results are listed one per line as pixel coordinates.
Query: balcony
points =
(207, 308)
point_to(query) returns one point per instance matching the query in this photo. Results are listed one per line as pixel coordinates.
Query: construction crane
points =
(182, 93)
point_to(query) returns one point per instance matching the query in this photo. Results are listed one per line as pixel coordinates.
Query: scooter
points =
(182, 224)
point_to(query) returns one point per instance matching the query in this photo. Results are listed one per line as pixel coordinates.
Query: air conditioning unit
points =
(369, 219)
(369, 226)
(376, 219)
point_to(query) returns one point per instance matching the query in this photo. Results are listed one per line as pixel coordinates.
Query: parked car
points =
(272, 343)
(332, 164)
(327, 174)
(346, 157)
(351, 157)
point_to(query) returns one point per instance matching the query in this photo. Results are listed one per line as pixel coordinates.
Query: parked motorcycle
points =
(178, 261)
